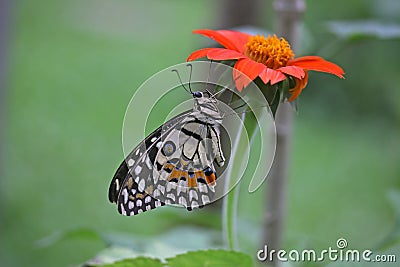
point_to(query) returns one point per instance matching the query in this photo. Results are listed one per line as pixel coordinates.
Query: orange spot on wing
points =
(199, 174)
(168, 166)
(192, 182)
(185, 174)
(175, 174)
(211, 179)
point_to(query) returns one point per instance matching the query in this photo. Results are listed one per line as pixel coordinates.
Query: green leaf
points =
(284, 89)
(126, 245)
(271, 93)
(113, 254)
(211, 258)
(356, 30)
(137, 262)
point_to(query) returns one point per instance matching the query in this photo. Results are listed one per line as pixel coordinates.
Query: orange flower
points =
(269, 58)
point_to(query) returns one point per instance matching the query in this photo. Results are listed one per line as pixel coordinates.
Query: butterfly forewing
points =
(136, 168)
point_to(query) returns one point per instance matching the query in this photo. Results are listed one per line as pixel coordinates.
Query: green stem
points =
(229, 210)
(229, 205)
(230, 201)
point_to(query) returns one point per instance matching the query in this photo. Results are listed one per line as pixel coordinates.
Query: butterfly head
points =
(206, 104)
(203, 97)
(197, 94)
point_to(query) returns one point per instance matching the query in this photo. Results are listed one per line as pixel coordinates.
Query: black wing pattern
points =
(124, 189)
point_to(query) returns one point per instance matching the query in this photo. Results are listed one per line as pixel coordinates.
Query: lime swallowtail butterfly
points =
(174, 164)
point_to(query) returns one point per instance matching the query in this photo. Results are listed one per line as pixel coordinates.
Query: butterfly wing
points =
(127, 188)
(185, 173)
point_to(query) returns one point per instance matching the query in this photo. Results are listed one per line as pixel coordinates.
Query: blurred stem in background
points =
(288, 18)
(4, 19)
(238, 13)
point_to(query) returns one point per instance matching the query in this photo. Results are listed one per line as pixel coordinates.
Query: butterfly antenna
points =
(220, 91)
(209, 73)
(190, 76)
(180, 80)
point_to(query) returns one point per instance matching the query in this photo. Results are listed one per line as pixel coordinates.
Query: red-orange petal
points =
(229, 39)
(272, 76)
(241, 81)
(245, 71)
(317, 64)
(224, 54)
(199, 54)
(293, 71)
(300, 85)
(240, 39)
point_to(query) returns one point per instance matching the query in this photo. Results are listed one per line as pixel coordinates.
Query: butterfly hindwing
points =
(185, 174)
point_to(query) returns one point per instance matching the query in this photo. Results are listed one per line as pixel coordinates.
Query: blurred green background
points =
(72, 67)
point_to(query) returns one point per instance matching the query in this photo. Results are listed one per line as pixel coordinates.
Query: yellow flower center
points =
(270, 51)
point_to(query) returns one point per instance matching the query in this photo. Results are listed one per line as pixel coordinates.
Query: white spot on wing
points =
(205, 199)
(203, 188)
(148, 163)
(212, 188)
(182, 201)
(193, 195)
(164, 175)
(138, 169)
(169, 187)
(147, 199)
(123, 211)
(156, 192)
(161, 188)
(194, 204)
(171, 196)
(117, 185)
(153, 139)
(181, 187)
(141, 185)
(155, 177)
(125, 194)
(139, 202)
(131, 162)
(131, 205)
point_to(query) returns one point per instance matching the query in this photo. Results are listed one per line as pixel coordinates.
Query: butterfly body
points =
(174, 164)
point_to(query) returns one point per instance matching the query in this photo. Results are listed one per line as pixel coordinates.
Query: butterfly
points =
(174, 164)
